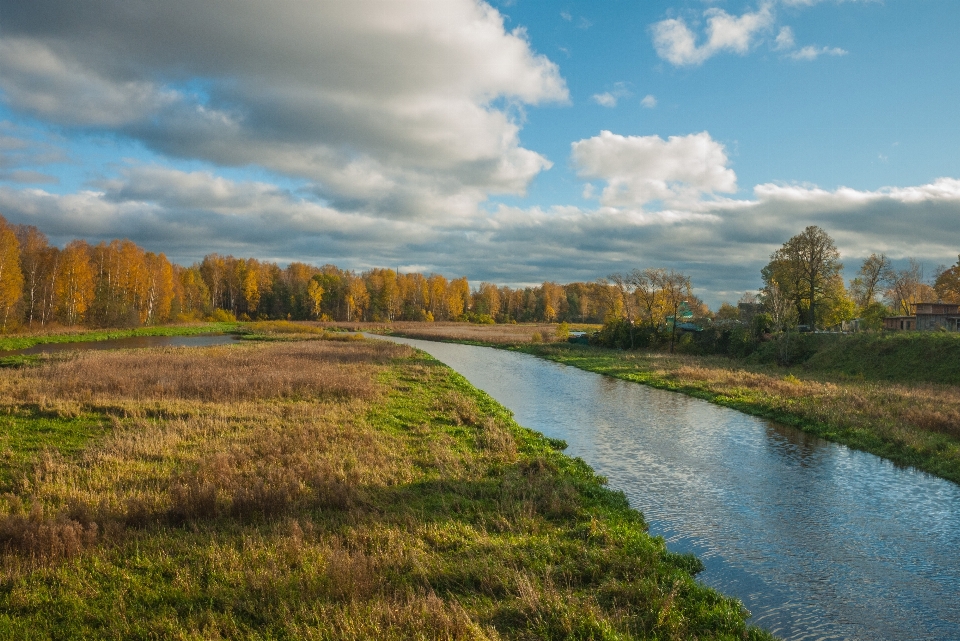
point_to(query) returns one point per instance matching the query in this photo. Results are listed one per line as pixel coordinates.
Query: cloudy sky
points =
(516, 141)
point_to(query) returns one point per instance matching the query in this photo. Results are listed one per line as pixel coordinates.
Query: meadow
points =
(299, 487)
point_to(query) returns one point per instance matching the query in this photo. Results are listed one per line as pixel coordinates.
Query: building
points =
(927, 317)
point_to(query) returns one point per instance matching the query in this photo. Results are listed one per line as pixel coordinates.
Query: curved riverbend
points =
(818, 541)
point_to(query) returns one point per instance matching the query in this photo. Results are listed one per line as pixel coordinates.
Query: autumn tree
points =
(804, 269)
(194, 295)
(458, 297)
(947, 284)
(11, 278)
(159, 292)
(35, 257)
(315, 292)
(74, 283)
(357, 298)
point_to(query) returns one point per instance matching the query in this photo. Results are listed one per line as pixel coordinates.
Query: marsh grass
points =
(501, 334)
(22, 340)
(915, 424)
(318, 490)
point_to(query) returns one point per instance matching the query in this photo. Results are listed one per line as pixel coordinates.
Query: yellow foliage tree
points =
(74, 282)
(11, 278)
(315, 292)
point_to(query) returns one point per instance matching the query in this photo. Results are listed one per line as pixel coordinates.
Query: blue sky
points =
(515, 141)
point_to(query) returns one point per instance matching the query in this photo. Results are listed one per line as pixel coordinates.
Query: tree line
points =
(119, 284)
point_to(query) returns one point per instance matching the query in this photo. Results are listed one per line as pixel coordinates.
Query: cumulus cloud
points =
(649, 101)
(676, 43)
(721, 242)
(641, 169)
(406, 109)
(610, 98)
(605, 99)
(812, 53)
(785, 39)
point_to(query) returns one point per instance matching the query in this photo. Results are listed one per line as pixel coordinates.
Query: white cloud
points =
(402, 101)
(605, 99)
(649, 101)
(610, 98)
(785, 39)
(677, 44)
(812, 52)
(641, 169)
(721, 242)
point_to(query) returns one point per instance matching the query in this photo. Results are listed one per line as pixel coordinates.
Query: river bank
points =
(313, 489)
(913, 423)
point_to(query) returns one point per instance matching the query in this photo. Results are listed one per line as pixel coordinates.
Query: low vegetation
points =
(24, 340)
(506, 334)
(313, 489)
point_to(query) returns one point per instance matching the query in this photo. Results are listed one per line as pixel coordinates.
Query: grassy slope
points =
(930, 357)
(916, 425)
(423, 511)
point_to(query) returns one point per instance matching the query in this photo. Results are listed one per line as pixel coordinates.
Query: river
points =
(819, 541)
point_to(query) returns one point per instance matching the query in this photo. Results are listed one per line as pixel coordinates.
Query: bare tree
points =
(784, 315)
(905, 287)
(865, 287)
(675, 289)
(622, 284)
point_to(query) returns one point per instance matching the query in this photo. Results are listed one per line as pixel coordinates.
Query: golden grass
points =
(891, 407)
(216, 374)
(503, 334)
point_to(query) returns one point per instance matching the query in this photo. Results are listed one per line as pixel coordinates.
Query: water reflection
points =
(131, 342)
(819, 541)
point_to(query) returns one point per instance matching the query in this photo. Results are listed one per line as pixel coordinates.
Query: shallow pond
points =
(819, 541)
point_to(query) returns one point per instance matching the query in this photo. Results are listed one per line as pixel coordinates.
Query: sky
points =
(512, 141)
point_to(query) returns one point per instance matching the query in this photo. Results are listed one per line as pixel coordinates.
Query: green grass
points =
(931, 357)
(433, 516)
(27, 433)
(24, 341)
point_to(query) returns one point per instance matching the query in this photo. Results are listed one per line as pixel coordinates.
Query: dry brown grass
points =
(505, 334)
(238, 457)
(928, 407)
(221, 374)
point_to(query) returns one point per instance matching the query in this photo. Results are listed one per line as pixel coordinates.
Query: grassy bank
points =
(916, 424)
(313, 489)
(25, 340)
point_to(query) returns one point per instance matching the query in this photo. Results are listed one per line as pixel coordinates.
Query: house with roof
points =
(927, 317)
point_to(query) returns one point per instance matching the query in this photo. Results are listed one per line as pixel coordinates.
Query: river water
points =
(817, 540)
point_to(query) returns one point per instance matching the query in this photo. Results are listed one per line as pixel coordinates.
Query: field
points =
(325, 489)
